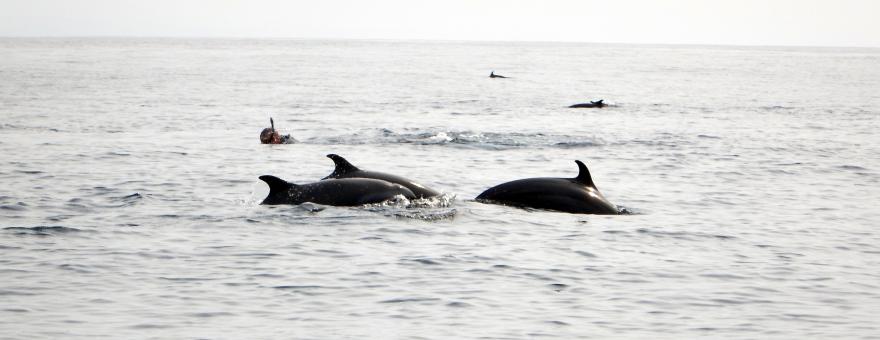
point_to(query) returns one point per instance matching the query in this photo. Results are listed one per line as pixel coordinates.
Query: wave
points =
(777, 108)
(43, 230)
(21, 127)
(463, 139)
(20, 206)
(425, 209)
(851, 167)
(442, 201)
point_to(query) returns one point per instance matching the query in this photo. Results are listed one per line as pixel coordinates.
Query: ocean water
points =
(129, 204)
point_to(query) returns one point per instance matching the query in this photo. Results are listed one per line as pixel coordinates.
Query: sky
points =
(723, 22)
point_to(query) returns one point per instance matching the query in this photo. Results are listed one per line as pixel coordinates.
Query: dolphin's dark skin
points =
(344, 169)
(493, 75)
(572, 195)
(339, 192)
(597, 103)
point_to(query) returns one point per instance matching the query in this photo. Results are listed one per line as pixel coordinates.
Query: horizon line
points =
(217, 37)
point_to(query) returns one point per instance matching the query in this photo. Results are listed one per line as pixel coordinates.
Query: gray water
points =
(129, 204)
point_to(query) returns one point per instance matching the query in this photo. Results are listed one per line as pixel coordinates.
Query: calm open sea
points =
(129, 198)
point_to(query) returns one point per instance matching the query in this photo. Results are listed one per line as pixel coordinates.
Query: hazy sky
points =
(745, 22)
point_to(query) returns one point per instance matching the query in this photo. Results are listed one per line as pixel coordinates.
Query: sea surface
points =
(129, 197)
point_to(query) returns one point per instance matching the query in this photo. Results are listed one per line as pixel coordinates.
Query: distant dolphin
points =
(338, 192)
(572, 195)
(493, 75)
(344, 169)
(599, 103)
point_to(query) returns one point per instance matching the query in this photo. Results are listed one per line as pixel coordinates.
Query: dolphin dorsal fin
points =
(276, 184)
(342, 166)
(279, 190)
(583, 176)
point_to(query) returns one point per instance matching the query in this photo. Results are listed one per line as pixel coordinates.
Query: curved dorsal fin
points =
(276, 185)
(583, 176)
(279, 190)
(342, 166)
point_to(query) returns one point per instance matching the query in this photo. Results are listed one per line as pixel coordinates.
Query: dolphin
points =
(599, 103)
(577, 195)
(493, 75)
(344, 169)
(339, 192)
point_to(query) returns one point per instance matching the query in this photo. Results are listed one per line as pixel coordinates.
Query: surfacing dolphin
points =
(493, 75)
(344, 169)
(599, 103)
(577, 195)
(339, 192)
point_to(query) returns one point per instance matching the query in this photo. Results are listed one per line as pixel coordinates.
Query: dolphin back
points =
(351, 191)
(337, 192)
(344, 169)
(577, 195)
(419, 190)
(559, 194)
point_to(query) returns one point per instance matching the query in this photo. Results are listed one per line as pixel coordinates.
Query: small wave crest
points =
(7, 126)
(777, 108)
(684, 235)
(851, 167)
(426, 209)
(629, 211)
(463, 139)
(442, 201)
(42, 230)
(20, 206)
